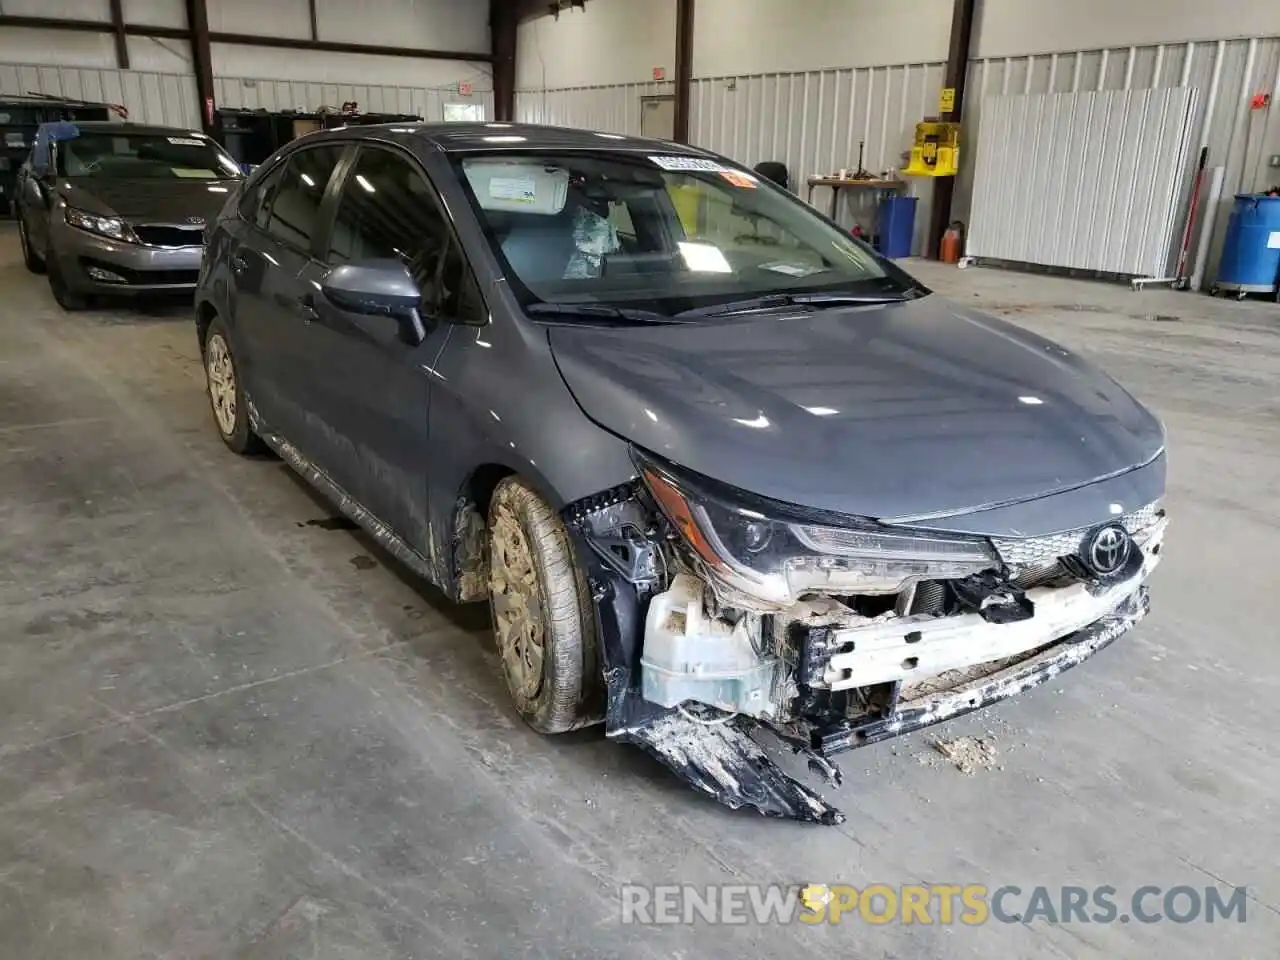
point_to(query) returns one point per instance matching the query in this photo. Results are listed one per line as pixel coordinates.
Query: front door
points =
(269, 268)
(658, 117)
(370, 390)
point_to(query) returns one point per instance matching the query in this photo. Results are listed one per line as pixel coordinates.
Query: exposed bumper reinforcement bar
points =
(914, 714)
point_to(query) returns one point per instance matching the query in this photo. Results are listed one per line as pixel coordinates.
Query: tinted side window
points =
(388, 209)
(256, 202)
(295, 208)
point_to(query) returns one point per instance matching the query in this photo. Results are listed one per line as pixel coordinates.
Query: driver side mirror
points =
(379, 288)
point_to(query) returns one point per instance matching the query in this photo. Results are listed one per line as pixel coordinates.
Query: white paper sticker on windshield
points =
(516, 189)
(688, 163)
(791, 269)
(186, 141)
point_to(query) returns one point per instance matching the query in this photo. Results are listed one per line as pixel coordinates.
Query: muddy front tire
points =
(226, 392)
(542, 614)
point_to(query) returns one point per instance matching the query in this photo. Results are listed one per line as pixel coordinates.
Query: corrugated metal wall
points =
(813, 121)
(1086, 180)
(611, 109)
(810, 121)
(164, 98)
(170, 98)
(1226, 74)
(426, 102)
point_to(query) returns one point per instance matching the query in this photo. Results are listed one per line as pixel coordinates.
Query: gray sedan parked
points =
(718, 468)
(114, 208)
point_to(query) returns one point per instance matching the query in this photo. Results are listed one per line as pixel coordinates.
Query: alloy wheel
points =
(221, 374)
(519, 620)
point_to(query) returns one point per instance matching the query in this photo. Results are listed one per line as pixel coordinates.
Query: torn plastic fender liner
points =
(721, 759)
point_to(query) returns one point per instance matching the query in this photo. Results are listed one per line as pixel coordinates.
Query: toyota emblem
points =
(1108, 549)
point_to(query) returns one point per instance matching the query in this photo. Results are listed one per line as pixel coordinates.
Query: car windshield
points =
(149, 156)
(671, 234)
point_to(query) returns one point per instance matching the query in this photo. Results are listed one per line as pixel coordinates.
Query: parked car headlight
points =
(112, 227)
(773, 555)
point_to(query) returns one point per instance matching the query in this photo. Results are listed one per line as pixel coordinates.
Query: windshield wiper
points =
(773, 301)
(598, 311)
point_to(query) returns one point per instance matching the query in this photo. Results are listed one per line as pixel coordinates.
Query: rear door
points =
(271, 296)
(371, 390)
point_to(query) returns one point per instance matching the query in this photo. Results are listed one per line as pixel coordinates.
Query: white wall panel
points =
(429, 24)
(607, 43)
(609, 109)
(232, 60)
(265, 94)
(735, 37)
(161, 98)
(1226, 74)
(64, 9)
(1021, 27)
(271, 18)
(156, 13)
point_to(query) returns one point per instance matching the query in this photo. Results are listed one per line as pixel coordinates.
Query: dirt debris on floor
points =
(968, 754)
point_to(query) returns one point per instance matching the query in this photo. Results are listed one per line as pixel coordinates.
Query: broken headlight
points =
(761, 551)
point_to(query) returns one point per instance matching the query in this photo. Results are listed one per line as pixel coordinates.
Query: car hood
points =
(149, 201)
(913, 410)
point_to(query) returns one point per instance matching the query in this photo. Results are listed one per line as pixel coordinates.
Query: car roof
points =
(115, 126)
(466, 137)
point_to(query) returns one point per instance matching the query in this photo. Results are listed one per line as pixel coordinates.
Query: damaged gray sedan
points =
(722, 472)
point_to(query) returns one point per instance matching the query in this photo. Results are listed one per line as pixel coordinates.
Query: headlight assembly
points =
(112, 227)
(758, 553)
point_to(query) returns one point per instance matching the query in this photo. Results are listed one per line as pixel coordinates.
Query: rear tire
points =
(543, 619)
(226, 393)
(34, 263)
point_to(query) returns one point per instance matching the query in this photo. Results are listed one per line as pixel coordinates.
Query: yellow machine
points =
(936, 151)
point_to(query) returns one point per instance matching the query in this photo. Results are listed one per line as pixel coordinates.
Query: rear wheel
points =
(34, 263)
(226, 395)
(542, 614)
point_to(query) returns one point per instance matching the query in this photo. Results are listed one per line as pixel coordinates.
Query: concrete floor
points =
(228, 730)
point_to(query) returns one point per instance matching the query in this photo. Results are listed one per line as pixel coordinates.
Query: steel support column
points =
(957, 68)
(683, 68)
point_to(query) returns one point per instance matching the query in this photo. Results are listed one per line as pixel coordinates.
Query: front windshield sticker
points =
(739, 179)
(688, 163)
(515, 189)
(186, 141)
(792, 269)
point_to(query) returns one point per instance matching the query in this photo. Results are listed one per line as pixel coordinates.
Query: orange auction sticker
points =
(739, 179)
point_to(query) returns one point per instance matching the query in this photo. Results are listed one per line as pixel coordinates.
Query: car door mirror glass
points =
(378, 288)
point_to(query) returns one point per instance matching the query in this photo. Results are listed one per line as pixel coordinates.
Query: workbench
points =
(836, 184)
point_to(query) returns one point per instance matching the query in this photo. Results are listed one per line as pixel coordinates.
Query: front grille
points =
(163, 235)
(1044, 551)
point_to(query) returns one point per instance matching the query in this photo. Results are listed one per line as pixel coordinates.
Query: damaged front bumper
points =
(700, 686)
(724, 761)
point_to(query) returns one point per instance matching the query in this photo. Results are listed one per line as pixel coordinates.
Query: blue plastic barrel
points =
(1251, 254)
(897, 224)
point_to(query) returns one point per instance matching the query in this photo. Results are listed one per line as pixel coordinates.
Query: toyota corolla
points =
(721, 472)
